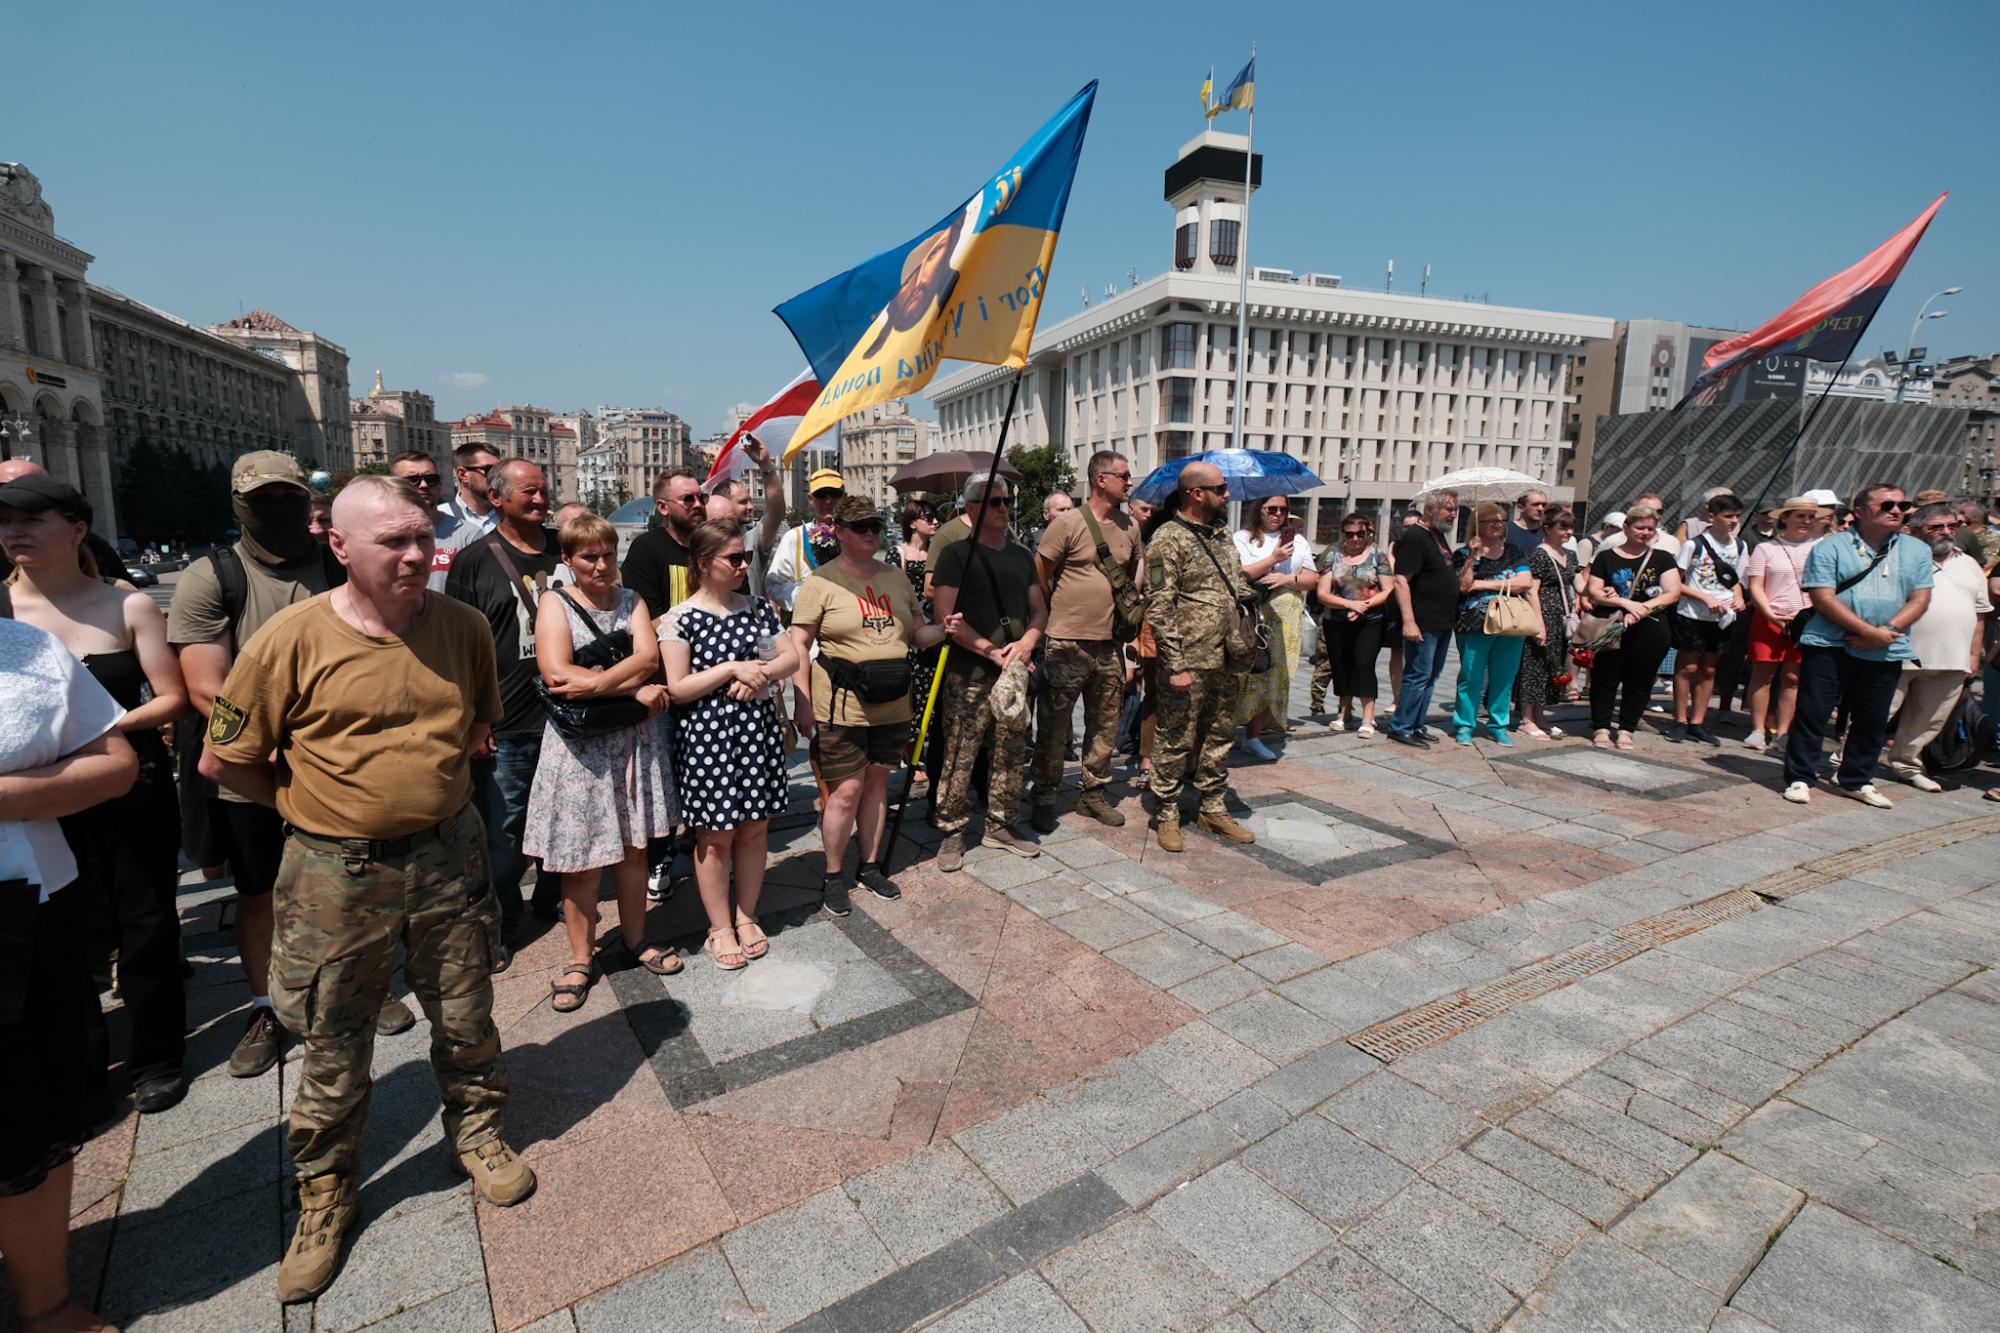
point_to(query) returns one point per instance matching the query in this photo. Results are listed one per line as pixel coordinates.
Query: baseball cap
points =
(855, 509)
(1614, 519)
(265, 467)
(38, 492)
(824, 480)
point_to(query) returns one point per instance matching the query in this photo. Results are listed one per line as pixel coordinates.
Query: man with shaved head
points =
(1197, 591)
(355, 715)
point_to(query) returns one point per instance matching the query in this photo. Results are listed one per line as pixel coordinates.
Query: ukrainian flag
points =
(1241, 94)
(966, 289)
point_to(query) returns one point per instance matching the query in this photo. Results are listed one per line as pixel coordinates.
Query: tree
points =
(347, 474)
(1044, 472)
(605, 500)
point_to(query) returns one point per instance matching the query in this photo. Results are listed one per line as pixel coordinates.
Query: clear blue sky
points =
(594, 203)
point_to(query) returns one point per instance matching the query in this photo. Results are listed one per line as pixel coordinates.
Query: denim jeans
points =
(501, 786)
(1423, 663)
(1864, 691)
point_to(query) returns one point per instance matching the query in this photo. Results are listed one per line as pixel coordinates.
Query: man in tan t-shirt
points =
(372, 699)
(1082, 657)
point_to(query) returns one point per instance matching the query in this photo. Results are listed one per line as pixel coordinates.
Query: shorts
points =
(842, 752)
(1769, 641)
(252, 839)
(1697, 636)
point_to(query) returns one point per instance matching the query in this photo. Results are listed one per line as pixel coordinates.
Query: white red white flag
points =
(774, 423)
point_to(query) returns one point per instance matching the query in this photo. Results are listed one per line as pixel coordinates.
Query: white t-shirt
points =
(1697, 564)
(49, 707)
(1942, 636)
(1251, 549)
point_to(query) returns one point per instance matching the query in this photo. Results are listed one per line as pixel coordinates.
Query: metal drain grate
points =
(1790, 883)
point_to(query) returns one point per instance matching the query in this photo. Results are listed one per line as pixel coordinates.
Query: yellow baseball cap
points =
(825, 479)
(266, 467)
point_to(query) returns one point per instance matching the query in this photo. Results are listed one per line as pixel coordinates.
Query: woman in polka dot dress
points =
(727, 657)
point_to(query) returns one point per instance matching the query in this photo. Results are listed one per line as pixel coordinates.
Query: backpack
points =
(1967, 734)
(235, 583)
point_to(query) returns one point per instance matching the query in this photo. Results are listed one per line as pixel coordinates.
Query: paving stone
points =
(1304, 1084)
(1166, 958)
(467, 1310)
(1203, 1064)
(1729, 1320)
(1540, 1170)
(1367, 1297)
(1753, 1009)
(1212, 990)
(806, 1257)
(1234, 935)
(403, 1261)
(1710, 1222)
(1274, 1027)
(1444, 1252)
(1037, 1229)
(1506, 1200)
(1413, 1126)
(221, 1273)
(211, 1106)
(1766, 1041)
(1007, 871)
(1250, 1115)
(1328, 1170)
(1739, 1076)
(1033, 1148)
(1122, 1104)
(1629, 1172)
(201, 1171)
(1886, 1284)
(1642, 1141)
(1605, 1285)
(699, 1280)
(1284, 962)
(923, 1202)
(1022, 1304)
(1240, 1227)
(1173, 904)
(1057, 895)
(1183, 1152)
(1106, 925)
(1134, 1278)
(1127, 877)
(1648, 1109)
(1077, 853)
(1291, 1307)
(1350, 1004)
(913, 1293)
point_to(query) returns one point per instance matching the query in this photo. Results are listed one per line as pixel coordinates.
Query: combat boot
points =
(1170, 832)
(1092, 803)
(326, 1211)
(951, 853)
(1225, 827)
(500, 1177)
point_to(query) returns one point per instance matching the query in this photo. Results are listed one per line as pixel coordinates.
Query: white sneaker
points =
(1798, 793)
(1867, 795)
(660, 882)
(1754, 741)
(1251, 745)
(1921, 781)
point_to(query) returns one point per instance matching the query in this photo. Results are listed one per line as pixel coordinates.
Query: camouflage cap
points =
(854, 509)
(265, 467)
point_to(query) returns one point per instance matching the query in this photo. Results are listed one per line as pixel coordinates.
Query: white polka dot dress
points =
(729, 755)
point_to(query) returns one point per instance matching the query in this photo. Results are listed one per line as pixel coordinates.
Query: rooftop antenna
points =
(1132, 276)
(1110, 290)
(1389, 283)
(1425, 285)
(1086, 295)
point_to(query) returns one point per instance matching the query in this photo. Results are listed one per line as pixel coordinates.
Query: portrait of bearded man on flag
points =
(928, 275)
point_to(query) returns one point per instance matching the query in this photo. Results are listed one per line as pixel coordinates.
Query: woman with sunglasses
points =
(1354, 588)
(1547, 656)
(1278, 563)
(724, 652)
(854, 701)
(1488, 565)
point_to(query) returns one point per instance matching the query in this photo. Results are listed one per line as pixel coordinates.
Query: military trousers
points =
(1094, 670)
(1194, 730)
(968, 725)
(340, 915)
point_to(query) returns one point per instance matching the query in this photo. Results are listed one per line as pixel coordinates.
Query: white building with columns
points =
(1375, 391)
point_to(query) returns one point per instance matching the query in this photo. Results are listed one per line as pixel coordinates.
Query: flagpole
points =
(1805, 424)
(977, 553)
(1243, 270)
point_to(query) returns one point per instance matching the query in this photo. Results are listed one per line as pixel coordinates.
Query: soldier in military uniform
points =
(1196, 585)
(354, 714)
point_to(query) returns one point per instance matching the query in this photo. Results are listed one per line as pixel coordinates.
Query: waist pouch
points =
(877, 682)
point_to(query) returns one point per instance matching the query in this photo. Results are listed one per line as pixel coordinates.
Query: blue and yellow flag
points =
(1241, 94)
(967, 289)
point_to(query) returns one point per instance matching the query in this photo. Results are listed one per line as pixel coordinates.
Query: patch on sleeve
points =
(1156, 574)
(225, 722)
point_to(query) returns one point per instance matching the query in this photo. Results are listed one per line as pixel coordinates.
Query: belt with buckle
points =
(372, 849)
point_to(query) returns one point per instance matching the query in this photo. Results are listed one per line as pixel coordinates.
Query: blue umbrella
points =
(1252, 474)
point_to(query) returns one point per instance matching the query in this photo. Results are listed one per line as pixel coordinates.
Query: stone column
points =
(54, 447)
(46, 314)
(93, 471)
(10, 303)
(81, 347)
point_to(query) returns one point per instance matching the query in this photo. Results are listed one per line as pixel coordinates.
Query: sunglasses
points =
(829, 495)
(1275, 509)
(1896, 506)
(482, 469)
(1004, 501)
(1221, 488)
(869, 529)
(424, 479)
(736, 559)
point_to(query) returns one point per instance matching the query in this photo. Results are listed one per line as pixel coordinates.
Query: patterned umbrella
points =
(1482, 483)
(1252, 474)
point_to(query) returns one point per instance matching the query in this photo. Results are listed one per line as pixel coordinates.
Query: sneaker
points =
(1867, 795)
(1223, 826)
(263, 1042)
(1500, 736)
(501, 1178)
(394, 1018)
(834, 890)
(1043, 818)
(1256, 749)
(1001, 835)
(326, 1211)
(1094, 804)
(1754, 741)
(1674, 731)
(951, 853)
(1702, 734)
(1463, 735)
(1798, 793)
(660, 883)
(1921, 781)
(876, 880)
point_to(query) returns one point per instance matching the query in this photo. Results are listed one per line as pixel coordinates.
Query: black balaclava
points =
(273, 520)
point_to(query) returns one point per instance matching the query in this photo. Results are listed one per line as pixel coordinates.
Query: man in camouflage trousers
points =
(1195, 583)
(1084, 659)
(374, 695)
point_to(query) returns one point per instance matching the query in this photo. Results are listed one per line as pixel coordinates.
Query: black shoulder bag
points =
(579, 719)
(1795, 628)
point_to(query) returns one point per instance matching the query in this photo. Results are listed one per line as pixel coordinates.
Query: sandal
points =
(1556, 733)
(567, 999)
(719, 955)
(1530, 729)
(1601, 740)
(1141, 780)
(752, 937)
(1365, 730)
(660, 959)
(1625, 740)
(1337, 726)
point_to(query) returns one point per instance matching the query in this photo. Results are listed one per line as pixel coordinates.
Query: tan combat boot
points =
(500, 1177)
(1092, 803)
(326, 1211)
(1169, 834)
(1224, 827)
(951, 853)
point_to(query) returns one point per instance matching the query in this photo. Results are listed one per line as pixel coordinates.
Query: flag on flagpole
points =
(1207, 89)
(967, 289)
(1822, 325)
(1241, 94)
(774, 423)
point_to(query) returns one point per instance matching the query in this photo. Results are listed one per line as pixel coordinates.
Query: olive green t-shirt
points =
(857, 620)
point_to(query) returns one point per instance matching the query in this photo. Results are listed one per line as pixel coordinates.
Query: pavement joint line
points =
(1441, 1019)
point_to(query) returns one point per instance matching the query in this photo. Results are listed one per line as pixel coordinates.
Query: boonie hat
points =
(825, 479)
(266, 467)
(854, 509)
(38, 492)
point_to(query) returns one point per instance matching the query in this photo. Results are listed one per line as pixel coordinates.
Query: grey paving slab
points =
(1444, 1252)
(1653, 1111)
(1035, 1230)
(1291, 1307)
(913, 1293)
(1166, 958)
(1077, 853)
(1579, 1147)
(1022, 1304)
(1284, 962)
(1367, 1297)
(1009, 871)
(1106, 925)
(211, 1106)
(1614, 1127)
(1240, 1227)
(197, 1173)
(1305, 1083)
(699, 1280)
(1182, 1152)
(1347, 1002)
(466, 1310)
(1173, 904)
(1766, 1041)
(923, 1202)
(1203, 1064)
(1497, 1068)
(1234, 935)
(1335, 1175)
(1134, 1278)
(1057, 895)
(1122, 1104)
(1506, 1200)
(403, 1261)
(1710, 1223)
(1250, 1115)
(1412, 1125)
(1274, 1027)
(1579, 1191)
(1605, 1285)
(1885, 1284)
(220, 1274)
(1212, 990)
(808, 1256)
(1034, 1147)
(1127, 877)
(1742, 1077)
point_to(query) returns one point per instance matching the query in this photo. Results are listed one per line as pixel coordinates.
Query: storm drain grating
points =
(1791, 883)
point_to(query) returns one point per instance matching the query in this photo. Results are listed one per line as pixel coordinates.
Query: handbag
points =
(1508, 616)
(1128, 604)
(1244, 647)
(578, 719)
(1592, 629)
(1795, 628)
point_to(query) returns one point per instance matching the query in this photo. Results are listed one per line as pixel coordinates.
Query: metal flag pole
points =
(977, 552)
(1805, 424)
(1243, 269)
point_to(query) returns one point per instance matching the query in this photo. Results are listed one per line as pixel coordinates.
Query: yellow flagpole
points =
(923, 728)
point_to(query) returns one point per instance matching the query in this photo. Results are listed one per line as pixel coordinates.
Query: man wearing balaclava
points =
(212, 617)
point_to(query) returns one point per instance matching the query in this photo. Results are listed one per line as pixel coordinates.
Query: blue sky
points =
(601, 202)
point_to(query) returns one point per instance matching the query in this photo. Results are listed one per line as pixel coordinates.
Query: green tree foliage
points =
(606, 500)
(1044, 471)
(164, 495)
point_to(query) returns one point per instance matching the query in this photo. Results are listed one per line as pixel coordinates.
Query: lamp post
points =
(1924, 312)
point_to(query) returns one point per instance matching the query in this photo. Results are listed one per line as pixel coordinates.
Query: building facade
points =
(1973, 383)
(389, 422)
(642, 442)
(878, 440)
(318, 402)
(521, 430)
(1375, 392)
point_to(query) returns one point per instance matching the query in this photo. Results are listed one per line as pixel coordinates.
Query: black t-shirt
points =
(1422, 559)
(1619, 573)
(993, 586)
(656, 567)
(477, 579)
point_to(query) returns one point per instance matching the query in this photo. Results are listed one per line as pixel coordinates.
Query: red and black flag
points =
(1825, 323)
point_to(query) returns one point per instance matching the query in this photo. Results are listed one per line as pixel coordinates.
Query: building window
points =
(1176, 444)
(1180, 347)
(1184, 245)
(1222, 234)
(1180, 400)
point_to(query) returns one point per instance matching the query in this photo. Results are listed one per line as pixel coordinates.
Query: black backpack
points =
(1966, 735)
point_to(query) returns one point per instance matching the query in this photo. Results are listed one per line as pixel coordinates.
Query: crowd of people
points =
(383, 719)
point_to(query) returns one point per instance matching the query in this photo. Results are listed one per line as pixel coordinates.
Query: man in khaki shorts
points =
(373, 696)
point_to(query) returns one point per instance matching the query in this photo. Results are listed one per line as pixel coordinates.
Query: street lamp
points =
(1924, 312)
